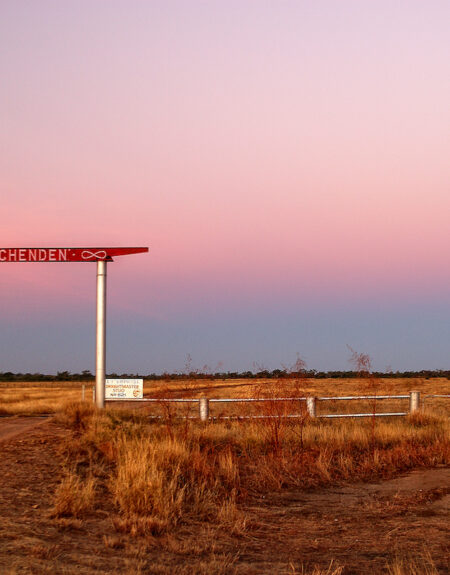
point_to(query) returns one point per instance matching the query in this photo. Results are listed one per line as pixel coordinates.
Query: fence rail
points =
(311, 404)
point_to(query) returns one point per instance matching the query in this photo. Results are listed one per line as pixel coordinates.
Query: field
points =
(28, 398)
(116, 492)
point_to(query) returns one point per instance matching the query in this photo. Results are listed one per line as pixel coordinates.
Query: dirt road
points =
(12, 426)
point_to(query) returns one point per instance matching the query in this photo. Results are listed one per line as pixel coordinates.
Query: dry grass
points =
(317, 387)
(158, 479)
(27, 398)
(422, 565)
(203, 494)
(74, 497)
(332, 569)
(167, 479)
(160, 475)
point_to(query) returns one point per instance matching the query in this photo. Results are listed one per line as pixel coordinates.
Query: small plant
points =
(282, 401)
(422, 565)
(363, 366)
(74, 497)
(332, 569)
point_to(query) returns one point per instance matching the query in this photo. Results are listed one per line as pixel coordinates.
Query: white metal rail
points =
(311, 403)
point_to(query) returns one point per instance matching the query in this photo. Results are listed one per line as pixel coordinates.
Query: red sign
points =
(65, 254)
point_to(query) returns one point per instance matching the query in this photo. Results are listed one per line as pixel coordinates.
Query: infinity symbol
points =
(88, 255)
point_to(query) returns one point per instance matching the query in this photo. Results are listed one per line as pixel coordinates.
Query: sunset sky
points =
(286, 162)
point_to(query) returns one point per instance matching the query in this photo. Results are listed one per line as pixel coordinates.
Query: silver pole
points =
(100, 360)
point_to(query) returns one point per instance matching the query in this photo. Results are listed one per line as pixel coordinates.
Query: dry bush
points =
(274, 411)
(422, 565)
(74, 496)
(154, 478)
(337, 451)
(170, 478)
(75, 415)
(231, 518)
(332, 569)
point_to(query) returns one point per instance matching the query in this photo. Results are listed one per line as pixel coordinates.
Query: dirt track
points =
(359, 526)
(12, 426)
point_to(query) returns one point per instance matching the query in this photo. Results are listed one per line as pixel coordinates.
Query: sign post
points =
(99, 255)
(100, 354)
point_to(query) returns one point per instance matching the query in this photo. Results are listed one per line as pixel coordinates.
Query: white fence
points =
(204, 404)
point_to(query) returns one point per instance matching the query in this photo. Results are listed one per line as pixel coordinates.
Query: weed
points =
(113, 542)
(422, 565)
(332, 569)
(74, 497)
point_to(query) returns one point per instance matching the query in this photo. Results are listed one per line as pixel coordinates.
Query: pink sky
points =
(270, 154)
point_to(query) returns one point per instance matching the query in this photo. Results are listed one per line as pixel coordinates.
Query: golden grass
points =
(267, 388)
(160, 480)
(422, 565)
(32, 398)
(167, 478)
(161, 474)
(74, 497)
(332, 569)
(158, 476)
(27, 398)
(328, 386)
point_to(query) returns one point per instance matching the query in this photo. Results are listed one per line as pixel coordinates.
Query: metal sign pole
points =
(96, 254)
(100, 364)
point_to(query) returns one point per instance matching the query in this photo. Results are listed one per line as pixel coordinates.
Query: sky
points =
(286, 163)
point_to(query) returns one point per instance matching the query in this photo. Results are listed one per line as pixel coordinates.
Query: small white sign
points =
(124, 388)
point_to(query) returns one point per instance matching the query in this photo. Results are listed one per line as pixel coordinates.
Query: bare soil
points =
(11, 426)
(361, 527)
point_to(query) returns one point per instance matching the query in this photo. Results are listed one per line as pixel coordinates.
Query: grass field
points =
(163, 478)
(25, 398)
(176, 486)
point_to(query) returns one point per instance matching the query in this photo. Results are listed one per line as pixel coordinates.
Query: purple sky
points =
(287, 163)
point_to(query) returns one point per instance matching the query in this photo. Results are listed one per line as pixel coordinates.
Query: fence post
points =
(83, 392)
(203, 408)
(93, 394)
(311, 406)
(414, 401)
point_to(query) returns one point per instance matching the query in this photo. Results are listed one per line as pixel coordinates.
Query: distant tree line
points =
(86, 375)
